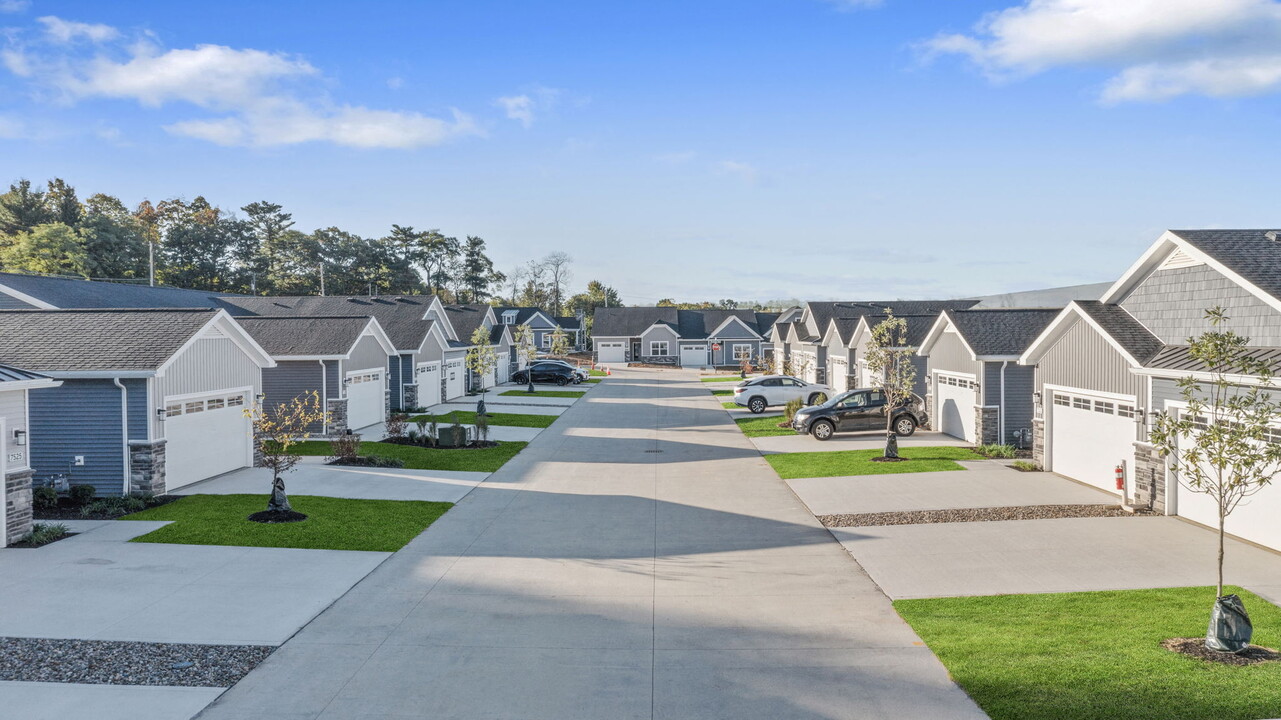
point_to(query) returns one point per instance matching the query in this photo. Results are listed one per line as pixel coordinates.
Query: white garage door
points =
(503, 369)
(205, 436)
(1255, 519)
(455, 379)
(610, 352)
(954, 399)
(428, 384)
(1090, 435)
(838, 374)
(365, 399)
(693, 355)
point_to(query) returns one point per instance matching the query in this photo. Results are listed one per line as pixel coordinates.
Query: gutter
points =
(1001, 416)
(324, 397)
(124, 429)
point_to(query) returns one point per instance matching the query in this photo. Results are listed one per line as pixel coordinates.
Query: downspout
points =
(324, 397)
(124, 429)
(1001, 411)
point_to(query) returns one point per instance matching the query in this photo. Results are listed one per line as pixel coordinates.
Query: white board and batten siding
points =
(13, 413)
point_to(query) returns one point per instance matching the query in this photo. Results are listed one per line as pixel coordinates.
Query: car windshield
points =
(838, 399)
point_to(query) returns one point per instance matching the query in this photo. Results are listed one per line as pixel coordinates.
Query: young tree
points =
(1223, 444)
(276, 431)
(558, 273)
(559, 343)
(51, 248)
(525, 350)
(889, 360)
(481, 360)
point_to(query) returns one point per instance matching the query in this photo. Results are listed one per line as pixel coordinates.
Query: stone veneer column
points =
(411, 396)
(17, 502)
(1038, 441)
(337, 408)
(147, 467)
(1148, 477)
(987, 424)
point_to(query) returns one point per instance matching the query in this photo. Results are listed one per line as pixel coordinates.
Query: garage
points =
(610, 352)
(503, 368)
(1090, 434)
(1255, 519)
(955, 397)
(838, 374)
(693, 355)
(455, 379)
(366, 401)
(428, 384)
(206, 436)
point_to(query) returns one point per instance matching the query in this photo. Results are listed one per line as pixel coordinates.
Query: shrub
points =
(385, 462)
(81, 494)
(396, 424)
(344, 447)
(1026, 465)
(789, 410)
(482, 427)
(996, 451)
(45, 533)
(44, 498)
(433, 429)
(114, 506)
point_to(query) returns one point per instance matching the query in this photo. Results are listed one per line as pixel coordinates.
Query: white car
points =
(771, 390)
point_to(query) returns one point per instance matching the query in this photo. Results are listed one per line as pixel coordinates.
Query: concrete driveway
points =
(313, 477)
(639, 560)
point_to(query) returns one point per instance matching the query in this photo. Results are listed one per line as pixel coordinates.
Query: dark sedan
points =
(546, 372)
(853, 411)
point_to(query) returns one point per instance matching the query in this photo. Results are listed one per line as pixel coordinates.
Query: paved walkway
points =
(313, 477)
(638, 560)
(874, 440)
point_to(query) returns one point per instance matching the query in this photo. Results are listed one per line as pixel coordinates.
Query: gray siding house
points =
(542, 325)
(680, 338)
(1104, 369)
(977, 390)
(15, 448)
(150, 400)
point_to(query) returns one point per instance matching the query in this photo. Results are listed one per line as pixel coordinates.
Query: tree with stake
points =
(889, 360)
(481, 360)
(1224, 444)
(560, 343)
(525, 350)
(276, 431)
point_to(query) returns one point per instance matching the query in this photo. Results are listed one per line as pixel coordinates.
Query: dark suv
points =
(854, 411)
(546, 372)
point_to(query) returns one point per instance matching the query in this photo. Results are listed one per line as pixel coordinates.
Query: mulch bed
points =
(25, 545)
(923, 517)
(66, 510)
(277, 516)
(1195, 647)
(479, 445)
(103, 662)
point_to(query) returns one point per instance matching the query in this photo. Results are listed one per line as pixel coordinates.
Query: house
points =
(1104, 368)
(419, 340)
(21, 291)
(15, 446)
(917, 327)
(680, 338)
(776, 336)
(150, 400)
(343, 360)
(542, 325)
(977, 390)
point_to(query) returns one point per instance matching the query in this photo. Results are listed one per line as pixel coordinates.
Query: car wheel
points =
(561, 381)
(757, 405)
(904, 426)
(822, 430)
(817, 398)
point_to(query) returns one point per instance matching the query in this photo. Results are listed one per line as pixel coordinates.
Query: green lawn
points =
(596, 373)
(763, 427)
(545, 393)
(1074, 656)
(859, 462)
(591, 381)
(332, 523)
(420, 458)
(731, 406)
(723, 393)
(723, 378)
(508, 419)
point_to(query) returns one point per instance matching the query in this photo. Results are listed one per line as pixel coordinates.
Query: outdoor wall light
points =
(19, 437)
(161, 414)
(1036, 398)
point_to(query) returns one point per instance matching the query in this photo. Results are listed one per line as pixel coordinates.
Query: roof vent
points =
(1271, 235)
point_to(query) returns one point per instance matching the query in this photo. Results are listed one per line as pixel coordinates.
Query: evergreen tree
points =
(22, 208)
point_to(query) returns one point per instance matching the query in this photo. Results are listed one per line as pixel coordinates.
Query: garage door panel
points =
(1254, 519)
(366, 400)
(611, 352)
(1090, 435)
(955, 398)
(693, 356)
(429, 384)
(455, 379)
(204, 437)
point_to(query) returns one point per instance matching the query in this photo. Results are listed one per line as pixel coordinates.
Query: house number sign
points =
(15, 457)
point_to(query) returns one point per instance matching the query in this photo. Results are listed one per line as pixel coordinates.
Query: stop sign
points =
(716, 346)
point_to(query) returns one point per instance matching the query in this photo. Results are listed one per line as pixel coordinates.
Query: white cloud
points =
(743, 170)
(395, 83)
(14, 6)
(525, 107)
(65, 31)
(11, 128)
(261, 98)
(1158, 48)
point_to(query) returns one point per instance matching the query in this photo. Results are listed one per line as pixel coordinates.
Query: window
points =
(1125, 411)
(217, 403)
(876, 398)
(1061, 400)
(658, 348)
(547, 340)
(194, 407)
(1104, 407)
(772, 382)
(742, 352)
(509, 317)
(172, 410)
(1080, 403)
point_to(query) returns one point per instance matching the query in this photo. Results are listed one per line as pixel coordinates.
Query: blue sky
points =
(754, 150)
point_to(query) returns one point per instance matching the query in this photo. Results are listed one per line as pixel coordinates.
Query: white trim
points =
(375, 329)
(4, 472)
(1157, 254)
(1059, 327)
(6, 386)
(1120, 397)
(40, 304)
(1047, 417)
(727, 321)
(666, 348)
(940, 325)
(248, 391)
(222, 320)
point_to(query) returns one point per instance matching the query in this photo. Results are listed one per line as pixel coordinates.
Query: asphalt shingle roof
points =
(918, 326)
(305, 335)
(465, 319)
(1001, 332)
(401, 316)
(1248, 253)
(824, 312)
(1122, 327)
(96, 340)
(630, 321)
(65, 292)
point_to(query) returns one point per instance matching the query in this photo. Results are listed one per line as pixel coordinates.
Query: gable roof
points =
(569, 323)
(465, 319)
(1247, 257)
(99, 340)
(402, 317)
(1000, 333)
(630, 321)
(53, 291)
(918, 326)
(287, 336)
(524, 314)
(1118, 327)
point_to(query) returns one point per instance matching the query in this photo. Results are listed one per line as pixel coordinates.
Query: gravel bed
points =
(105, 662)
(922, 517)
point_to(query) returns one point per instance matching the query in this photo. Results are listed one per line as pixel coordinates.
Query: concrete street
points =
(639, 560)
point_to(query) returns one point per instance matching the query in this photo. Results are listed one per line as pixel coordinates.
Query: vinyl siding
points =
(725, 356)
(1172, 304)
(13, 408)
(82, 417)
(367, 354)
(661, 332)
(950, 355)
(210, 365)
(291, 379)
(394, 365)
(735, 330)
(1082, 358)
(140, 409)
(1019, 386)
(332, 387)
(1167, 390)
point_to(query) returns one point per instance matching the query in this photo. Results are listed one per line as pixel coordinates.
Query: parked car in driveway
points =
(546, 372)
(857, 410)
(772, 390)
(579, 373)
